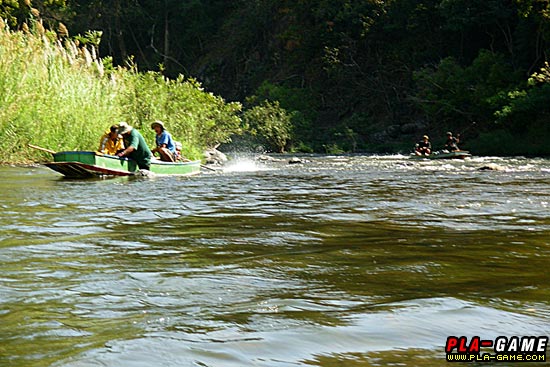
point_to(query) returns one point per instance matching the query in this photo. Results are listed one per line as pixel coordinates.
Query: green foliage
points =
(50, 96)
(462, 15)
(451, 92)
(354, 75)
(498, 142)
(59, 97)
(523, 127)
(19, 12)
(302, 147)
(526, 109)
(348, 19)
(92, 38)
(300, 103)
(542, 76)
(502, 142)
(269, 124)
(333, 149)
(198, 117)
(9, 10)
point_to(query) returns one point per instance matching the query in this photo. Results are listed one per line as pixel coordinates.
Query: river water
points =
(339, 261)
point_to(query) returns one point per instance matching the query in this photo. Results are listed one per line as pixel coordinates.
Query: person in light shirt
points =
(166, 147)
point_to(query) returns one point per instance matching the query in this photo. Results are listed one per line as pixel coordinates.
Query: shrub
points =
(60, 96)
(269, 124)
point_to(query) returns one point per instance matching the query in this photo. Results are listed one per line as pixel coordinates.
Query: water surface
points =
(340, 261)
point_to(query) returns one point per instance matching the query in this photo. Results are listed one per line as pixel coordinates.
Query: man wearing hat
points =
(136, 147)
(166, 147)
(452, 142)
(423, 147)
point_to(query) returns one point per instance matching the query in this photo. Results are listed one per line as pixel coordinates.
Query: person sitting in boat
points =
(423, 147)
(452, 142)
(111, 142)
(166, 147)
(136, 147)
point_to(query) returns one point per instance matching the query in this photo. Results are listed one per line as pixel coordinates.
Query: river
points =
(339, 261)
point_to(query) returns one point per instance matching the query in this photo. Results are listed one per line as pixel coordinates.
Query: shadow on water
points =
(341, 261)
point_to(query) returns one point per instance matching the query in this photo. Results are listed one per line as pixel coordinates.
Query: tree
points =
(451, 92)
(270, 124)
(17, 13)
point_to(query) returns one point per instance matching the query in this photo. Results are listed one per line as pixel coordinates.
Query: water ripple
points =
(359, 260)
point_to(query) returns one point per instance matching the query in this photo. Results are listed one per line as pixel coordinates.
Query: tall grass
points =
(60, 96)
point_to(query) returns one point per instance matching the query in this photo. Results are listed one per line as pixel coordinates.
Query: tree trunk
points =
(119, 30)
(166, 35)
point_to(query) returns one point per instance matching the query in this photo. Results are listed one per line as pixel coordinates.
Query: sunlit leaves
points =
(270, 124)
(542, 76)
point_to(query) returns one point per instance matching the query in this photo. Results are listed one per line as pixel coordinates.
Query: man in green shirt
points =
(136, 147)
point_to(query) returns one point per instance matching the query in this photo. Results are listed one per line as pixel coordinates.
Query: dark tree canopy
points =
(353, 75)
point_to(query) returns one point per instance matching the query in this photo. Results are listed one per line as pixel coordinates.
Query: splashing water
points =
(244, 165)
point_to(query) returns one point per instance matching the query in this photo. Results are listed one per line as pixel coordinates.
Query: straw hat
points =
(124, 128)
(158, 123)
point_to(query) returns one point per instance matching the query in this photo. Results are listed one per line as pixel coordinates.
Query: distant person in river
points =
(423, 147)
(136, 147)
(111, 142)
(452, 142)
(166, 147)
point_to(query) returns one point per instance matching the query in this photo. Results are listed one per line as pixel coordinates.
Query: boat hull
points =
(459, 154)
(85, 164)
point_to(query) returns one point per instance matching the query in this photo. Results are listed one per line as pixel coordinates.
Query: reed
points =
(60, 95)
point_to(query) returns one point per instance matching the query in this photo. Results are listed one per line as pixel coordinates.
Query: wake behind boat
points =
(85, 164)
(444, 154)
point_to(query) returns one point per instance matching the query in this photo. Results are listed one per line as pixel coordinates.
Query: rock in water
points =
(295, 160)
(265, 158)
(491, 167)
(144, 173)
(214, 156)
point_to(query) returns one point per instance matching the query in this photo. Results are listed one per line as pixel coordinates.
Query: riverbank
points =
(58, 94)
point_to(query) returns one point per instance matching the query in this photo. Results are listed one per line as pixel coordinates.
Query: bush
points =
(300, 103)
(60, 96)
(269, 125)
(192, 115)
(504, 143)
(452, 93)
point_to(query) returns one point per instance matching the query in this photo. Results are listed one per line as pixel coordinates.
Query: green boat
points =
(457, 154)
(85, 164)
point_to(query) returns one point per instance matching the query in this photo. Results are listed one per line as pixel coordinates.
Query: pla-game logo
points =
(502, 349)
